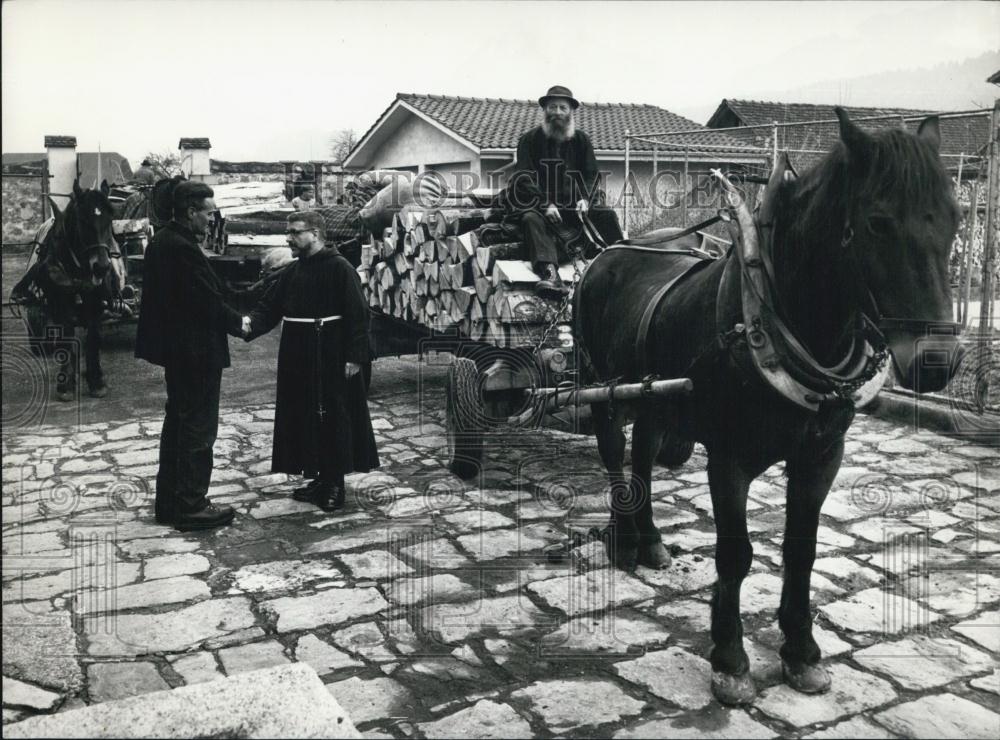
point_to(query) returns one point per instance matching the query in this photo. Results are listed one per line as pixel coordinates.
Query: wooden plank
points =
(514, 271)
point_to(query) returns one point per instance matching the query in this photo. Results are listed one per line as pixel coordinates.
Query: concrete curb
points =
(928, 413)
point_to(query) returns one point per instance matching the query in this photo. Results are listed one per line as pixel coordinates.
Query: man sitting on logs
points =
(555, 183)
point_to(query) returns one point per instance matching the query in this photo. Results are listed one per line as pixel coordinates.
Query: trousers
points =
(545, 242)
(190, 426)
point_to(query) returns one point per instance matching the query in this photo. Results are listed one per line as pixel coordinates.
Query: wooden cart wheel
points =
(465, 416)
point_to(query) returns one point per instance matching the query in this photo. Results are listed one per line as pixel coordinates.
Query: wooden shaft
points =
(625, 392)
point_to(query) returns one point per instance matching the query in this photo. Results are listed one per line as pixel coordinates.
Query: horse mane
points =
(899, 165)
(899, 171)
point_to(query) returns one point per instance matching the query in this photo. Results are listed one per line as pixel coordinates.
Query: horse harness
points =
(775, 354)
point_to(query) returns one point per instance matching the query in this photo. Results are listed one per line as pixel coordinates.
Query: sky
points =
(273, 80)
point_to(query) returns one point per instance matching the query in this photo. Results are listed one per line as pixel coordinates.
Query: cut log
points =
(442, 253)
(523, 307)
(467, 244)
(485, 260)
(484, 286)
(496, 333)
(464, 298)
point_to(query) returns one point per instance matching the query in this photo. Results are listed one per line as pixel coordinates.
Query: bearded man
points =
(555, 183)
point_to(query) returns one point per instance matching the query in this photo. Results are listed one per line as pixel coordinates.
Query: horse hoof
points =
(733, 690)
(624, 557)
(65, 396)
(99, 392)
(654, 555)
(807, 679)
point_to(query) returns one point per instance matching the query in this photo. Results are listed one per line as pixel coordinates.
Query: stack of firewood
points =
(430, 268)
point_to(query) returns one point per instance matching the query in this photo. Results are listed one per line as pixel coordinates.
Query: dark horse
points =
(779, 338)
(73, 277)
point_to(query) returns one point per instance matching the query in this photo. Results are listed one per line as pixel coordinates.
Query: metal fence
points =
(974, 254)
(975, 172)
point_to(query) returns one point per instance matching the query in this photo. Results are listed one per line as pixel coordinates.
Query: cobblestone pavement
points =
(430, 609)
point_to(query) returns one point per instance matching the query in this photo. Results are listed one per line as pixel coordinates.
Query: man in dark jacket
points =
(555, 182)
(322, 429)
(183, 323)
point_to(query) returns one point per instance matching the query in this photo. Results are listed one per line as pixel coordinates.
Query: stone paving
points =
(430, 608)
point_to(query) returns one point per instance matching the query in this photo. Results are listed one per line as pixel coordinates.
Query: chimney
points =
(61, 152)
(195, 162)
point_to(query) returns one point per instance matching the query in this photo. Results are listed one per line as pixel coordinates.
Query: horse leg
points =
(66, 354)
(809, 481)
(620, 536)
(729, 484)
(647, 434)
(93, 306)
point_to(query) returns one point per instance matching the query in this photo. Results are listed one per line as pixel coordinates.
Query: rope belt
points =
(318, 321)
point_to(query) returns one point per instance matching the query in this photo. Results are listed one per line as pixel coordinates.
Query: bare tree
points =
(341, 143)
(167, 164)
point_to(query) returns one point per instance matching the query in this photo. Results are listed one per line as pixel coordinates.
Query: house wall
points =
(417, 143)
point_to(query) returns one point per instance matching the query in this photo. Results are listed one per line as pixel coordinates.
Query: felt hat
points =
(558, 91)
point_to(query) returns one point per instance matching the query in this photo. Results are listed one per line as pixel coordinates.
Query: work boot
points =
(305, 493)
(551, 285)
(208, 518)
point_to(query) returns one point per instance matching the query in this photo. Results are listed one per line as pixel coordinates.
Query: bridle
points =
(877, 324)
(86, 252)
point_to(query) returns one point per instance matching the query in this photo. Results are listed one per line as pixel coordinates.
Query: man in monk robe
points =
(322, 429)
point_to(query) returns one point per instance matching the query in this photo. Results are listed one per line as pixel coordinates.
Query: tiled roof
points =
(497, 123)
(195, 143)
(966, 134)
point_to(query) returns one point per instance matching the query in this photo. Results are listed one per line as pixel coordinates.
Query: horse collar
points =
(778, 358)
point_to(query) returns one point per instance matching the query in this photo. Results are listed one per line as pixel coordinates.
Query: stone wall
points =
(22, 208)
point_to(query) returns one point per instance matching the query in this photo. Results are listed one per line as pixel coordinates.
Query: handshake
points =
(245, 328)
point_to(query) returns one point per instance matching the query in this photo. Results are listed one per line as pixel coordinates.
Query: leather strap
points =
(650, 311)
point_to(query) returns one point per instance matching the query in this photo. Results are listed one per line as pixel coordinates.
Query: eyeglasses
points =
(296, 232)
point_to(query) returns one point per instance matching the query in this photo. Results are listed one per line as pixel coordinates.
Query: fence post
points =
(45, 190)
(625, 189)
(958, 197)
(655, 192)
(774, 147)
(684, 194)
(989, 249)
(965, 287)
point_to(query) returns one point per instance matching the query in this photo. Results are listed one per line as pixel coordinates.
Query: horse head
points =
(901, 220)
(86, 227)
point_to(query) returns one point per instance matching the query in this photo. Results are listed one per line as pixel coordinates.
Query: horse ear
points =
(930, 130)
(77, 192)
(56, 213)
(105, 188)
(853, 137)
